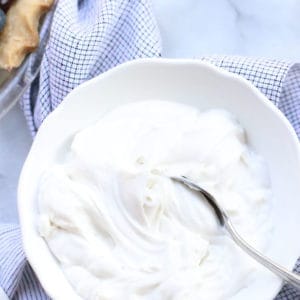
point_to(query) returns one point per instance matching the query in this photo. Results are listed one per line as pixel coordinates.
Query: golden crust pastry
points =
(20, 33)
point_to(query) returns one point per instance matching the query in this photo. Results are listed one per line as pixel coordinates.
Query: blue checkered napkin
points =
(87, 38)
(290, 97)
(17, 279)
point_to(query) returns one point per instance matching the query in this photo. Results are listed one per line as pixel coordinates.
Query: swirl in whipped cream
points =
(120, 228)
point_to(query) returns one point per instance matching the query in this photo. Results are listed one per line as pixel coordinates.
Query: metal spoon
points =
(286, 275)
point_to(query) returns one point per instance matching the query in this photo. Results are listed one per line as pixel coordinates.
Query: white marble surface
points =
(15, 142)
(189, 28)
(192, 28)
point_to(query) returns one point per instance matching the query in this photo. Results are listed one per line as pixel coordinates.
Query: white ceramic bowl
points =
(187, 81)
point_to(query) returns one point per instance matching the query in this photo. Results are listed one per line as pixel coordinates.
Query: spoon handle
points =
(285, 274)
(288, 276)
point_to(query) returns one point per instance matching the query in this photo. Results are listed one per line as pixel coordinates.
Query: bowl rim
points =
(26, 229)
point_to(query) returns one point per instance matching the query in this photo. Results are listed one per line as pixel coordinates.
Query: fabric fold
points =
(87, 38)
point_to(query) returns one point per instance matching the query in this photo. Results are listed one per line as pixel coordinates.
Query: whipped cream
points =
(120, 228)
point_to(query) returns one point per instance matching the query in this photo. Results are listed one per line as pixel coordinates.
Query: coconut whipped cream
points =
(120, 228)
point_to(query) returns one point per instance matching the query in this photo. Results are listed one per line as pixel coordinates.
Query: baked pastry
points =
(19, 35)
